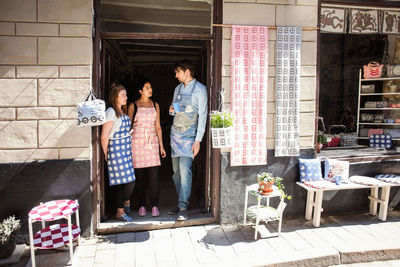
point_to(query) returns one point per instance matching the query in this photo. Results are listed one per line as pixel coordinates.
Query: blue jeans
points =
(182, 167)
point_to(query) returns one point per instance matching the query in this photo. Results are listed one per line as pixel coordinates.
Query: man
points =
(189, 108)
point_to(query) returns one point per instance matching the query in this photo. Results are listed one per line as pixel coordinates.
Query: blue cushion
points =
(310, 170)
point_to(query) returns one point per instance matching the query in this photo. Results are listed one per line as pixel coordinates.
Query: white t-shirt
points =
(111, 116)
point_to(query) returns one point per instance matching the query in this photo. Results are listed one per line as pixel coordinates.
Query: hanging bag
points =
(373, 70)
(91, 111)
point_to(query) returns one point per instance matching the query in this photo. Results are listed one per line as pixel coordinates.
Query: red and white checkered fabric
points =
(54, 236)
(53, 210)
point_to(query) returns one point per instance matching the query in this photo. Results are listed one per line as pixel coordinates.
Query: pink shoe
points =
(155, 212)
(142, 211)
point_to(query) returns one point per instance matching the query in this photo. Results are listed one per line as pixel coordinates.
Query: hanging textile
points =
(333, 20)
(391, 22)
(287, 88)
(363, 21)
(249, 83)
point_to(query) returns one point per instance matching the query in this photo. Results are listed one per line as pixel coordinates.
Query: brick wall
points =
(272, 13)
(45, 69)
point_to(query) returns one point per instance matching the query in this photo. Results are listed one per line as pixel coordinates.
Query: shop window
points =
(342, 57)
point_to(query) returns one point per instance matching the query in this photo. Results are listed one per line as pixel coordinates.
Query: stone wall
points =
(272, 13)
(45, 69)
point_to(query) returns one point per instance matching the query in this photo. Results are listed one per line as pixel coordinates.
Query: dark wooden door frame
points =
(213, 156)
(97, 165)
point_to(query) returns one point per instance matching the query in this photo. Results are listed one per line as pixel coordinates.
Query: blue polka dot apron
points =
(184, 127)
(119, 155)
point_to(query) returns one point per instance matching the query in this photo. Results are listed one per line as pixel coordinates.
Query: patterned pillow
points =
(337, 171)
(310, 170)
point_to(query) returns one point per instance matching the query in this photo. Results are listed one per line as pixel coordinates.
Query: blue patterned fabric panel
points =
(310, 170)
(380, 140)
(287, 91)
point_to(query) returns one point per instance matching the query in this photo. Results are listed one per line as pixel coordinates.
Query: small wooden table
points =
(315, 195)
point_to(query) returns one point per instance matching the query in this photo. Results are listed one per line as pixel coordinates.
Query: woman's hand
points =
(162, 152)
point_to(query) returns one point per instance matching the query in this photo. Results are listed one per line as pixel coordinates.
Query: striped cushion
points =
(389, 178)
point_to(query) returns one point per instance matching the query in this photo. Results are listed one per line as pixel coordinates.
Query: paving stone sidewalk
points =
(340, 240)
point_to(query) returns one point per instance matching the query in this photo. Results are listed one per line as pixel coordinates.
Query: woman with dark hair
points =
(147, 145)
(116, 142)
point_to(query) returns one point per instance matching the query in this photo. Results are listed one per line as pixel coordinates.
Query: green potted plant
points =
(265, 182)
(321, 140)
(221, 128)
(9, 229)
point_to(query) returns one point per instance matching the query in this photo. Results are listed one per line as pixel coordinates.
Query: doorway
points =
(142, 37)
(126, 61)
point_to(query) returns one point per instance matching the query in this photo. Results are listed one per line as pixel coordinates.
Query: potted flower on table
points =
(266, 181)
(9, 229)
(221, 128)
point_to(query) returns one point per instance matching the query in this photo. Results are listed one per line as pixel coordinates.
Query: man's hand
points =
(195, 148)
(171, 110)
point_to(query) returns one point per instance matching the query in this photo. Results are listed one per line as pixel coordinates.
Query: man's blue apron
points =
(184, 128)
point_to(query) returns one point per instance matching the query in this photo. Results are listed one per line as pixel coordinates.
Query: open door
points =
(127, 60)
(122, 42)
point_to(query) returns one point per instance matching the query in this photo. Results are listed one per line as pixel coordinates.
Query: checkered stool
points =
(56, 235)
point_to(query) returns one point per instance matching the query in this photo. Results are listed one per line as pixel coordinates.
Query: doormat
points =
(287, 87)
(249, 83)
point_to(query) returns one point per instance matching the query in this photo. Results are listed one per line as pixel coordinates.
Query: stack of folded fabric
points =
(395, 133)
(366, 180)
(323, 184)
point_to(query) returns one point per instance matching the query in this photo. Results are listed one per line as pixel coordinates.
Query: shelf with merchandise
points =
(380, 79)
(378, 107)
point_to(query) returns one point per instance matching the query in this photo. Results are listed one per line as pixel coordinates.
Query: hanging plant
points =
(221, 128)
(221, 119)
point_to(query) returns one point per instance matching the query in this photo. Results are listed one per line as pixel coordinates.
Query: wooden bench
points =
(315, 195)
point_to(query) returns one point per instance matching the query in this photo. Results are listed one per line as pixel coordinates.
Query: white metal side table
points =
(263, 212)
(56, 235)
